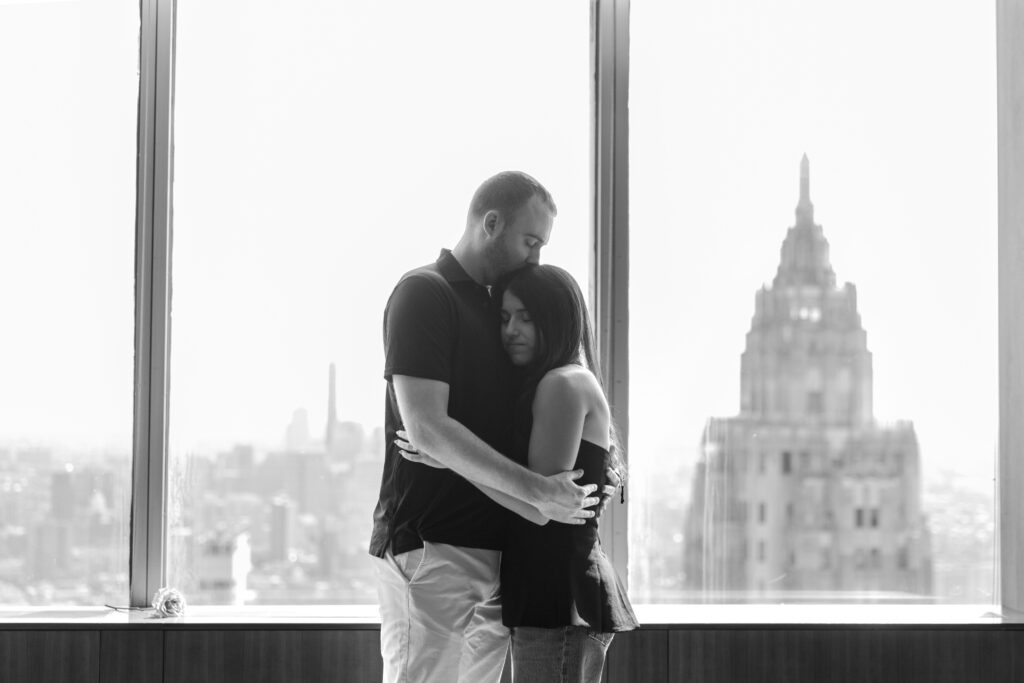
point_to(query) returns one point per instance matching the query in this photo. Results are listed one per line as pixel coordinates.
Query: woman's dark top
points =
(545, 570)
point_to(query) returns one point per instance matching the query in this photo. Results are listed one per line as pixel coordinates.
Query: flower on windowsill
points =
(169, 602)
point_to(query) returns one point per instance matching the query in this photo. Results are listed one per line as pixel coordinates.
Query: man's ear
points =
(493, 223)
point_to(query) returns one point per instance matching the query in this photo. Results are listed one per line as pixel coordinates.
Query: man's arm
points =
(524, 510)
(413, 454)
(423, 404)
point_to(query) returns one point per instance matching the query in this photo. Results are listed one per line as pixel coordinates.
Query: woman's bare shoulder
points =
(571, 382)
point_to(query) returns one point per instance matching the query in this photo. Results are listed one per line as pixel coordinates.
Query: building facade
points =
(804, 493)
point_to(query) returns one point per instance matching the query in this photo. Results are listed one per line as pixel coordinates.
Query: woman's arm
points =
(560, 408)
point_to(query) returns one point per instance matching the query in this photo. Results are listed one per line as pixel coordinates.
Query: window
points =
(321, 150)
(67, 452)
(783, 184)
(67, 214)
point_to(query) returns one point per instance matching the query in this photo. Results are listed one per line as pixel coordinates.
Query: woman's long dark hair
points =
(564, 335)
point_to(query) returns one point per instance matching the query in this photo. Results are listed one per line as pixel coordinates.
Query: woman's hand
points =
(413, 454)
(614, 480)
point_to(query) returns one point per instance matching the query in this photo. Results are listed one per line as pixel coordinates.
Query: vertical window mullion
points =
(1010, 85)
(152, 298)
(610, 252)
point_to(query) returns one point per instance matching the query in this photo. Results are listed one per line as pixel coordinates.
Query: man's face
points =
(521, 240)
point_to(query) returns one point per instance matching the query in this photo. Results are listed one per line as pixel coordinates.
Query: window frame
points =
(609, 279)
(609, 271)
(1010, 149)
(147, 545)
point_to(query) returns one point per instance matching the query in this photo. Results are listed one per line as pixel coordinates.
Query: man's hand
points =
(566, 502)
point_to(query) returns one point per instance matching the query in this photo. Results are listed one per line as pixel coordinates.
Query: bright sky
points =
(894, 103)
(324, 148)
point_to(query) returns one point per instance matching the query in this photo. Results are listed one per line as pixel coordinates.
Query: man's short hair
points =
(507, 192)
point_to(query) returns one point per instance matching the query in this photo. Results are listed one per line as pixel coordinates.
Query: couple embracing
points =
(500, 448)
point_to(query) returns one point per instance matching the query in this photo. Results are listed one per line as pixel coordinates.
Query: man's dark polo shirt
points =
(440, 324)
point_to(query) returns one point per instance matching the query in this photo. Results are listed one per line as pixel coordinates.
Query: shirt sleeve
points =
(419, 330)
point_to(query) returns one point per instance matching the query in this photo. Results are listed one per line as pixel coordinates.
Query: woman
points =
(560, 595)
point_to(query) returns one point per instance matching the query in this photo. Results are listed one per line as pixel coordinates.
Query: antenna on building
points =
(332, 409)
(805, 209)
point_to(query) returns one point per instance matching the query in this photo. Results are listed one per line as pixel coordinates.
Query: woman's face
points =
(518, 333)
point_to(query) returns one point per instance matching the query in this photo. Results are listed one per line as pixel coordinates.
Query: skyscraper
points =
(804, 490)
(330, 437)
(343, 440)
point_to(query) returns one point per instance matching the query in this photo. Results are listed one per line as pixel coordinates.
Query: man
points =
(436, 538)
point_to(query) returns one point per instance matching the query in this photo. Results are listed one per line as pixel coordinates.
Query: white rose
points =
(169, 602)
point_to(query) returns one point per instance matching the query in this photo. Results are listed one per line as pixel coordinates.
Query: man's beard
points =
(499, 258)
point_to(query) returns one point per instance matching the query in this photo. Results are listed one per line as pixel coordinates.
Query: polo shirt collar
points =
(451, 269)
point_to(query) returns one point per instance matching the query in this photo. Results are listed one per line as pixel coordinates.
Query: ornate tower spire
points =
(805, 209)
(805, 250)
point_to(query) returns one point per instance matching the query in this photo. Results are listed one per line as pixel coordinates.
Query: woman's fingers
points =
(421, 458)
(613, 476)
(405, 446)
(403, 441)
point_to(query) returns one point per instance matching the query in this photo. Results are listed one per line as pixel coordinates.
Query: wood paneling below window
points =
(654, 654)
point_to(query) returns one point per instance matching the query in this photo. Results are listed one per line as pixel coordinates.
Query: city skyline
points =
(305, 183)
(253, 525)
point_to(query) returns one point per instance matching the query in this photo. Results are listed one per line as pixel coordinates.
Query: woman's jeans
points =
(569, 654)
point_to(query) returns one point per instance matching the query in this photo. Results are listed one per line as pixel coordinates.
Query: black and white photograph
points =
(512, 341)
